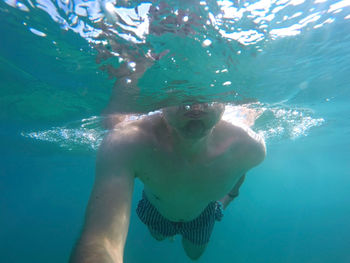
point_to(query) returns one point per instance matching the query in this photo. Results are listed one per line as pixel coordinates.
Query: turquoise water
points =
(288, 60)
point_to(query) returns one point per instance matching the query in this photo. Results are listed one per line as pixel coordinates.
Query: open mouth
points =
(194, 129)
(195, 114)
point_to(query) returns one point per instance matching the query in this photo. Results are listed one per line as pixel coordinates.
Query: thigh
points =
(198, 231)
(198, 235)
(192, 250)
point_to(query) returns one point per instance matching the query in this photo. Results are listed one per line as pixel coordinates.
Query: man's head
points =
(194, 121)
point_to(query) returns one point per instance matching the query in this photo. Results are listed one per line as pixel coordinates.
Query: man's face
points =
(194, 121)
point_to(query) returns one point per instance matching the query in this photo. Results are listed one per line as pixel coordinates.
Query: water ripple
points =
(274, 123)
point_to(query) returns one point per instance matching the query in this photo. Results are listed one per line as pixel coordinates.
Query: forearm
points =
(98, 251)
(103, 237)
(230, 196)
(106, 222)
(227, 199)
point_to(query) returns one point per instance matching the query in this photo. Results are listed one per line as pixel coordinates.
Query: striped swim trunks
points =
(197, 231)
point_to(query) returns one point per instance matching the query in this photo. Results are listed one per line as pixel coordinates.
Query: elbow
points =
(260, 153)
(257, 153)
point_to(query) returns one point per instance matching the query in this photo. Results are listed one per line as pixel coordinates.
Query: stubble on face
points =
(194, 129)
(194, 122)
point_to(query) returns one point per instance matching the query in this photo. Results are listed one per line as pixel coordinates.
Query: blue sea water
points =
(287, 59)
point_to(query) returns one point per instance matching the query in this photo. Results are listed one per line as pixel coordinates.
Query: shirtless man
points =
(187, 158)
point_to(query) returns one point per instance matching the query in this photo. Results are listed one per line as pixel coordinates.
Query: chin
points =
(193, 136)
(194, 133)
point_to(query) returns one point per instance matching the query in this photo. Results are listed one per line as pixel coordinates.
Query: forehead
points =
(209, 105)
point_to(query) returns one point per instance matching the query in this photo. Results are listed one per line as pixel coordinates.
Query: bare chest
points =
(181, 188)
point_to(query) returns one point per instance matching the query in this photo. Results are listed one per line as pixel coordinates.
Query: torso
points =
(180, 188)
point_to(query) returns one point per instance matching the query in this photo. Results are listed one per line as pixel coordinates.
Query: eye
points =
(185, 107)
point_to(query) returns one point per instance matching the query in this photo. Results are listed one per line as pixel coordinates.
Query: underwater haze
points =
(65, 64)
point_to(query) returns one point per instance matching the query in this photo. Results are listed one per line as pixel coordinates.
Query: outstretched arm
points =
(108, 212)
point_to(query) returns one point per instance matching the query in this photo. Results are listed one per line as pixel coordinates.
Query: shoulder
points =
(127, 137)
(124, 142)
(246, 144)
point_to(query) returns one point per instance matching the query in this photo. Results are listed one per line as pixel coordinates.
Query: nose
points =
(196, 107)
